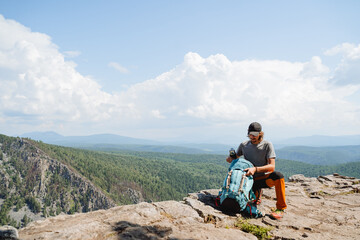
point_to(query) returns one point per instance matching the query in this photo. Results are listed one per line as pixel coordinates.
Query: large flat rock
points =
(161, 220)
(327, 207)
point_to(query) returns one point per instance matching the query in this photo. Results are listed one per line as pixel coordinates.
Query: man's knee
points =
(276, 176)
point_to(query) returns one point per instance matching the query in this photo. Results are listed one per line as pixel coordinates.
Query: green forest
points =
(160, 176)
(163, 176)
(286, 166)
(321, 155)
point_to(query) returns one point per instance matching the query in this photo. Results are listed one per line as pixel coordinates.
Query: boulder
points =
(8, 233)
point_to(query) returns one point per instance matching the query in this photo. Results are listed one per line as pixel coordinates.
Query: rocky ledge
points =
(327, 207)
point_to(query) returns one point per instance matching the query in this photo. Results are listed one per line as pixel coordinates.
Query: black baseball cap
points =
(254, 129)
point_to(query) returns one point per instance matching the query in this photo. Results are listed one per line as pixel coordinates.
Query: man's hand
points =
(229, 159)
(250, 171)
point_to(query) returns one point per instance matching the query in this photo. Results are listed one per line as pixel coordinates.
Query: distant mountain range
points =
(311, 141)
(113, 142)
(321, 141)
(321, 155)
(319, 150)
(55, 138)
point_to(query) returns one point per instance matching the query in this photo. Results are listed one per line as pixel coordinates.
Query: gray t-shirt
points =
(257, 154)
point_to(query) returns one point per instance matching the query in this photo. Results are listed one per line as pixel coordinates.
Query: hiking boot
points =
(277, 214)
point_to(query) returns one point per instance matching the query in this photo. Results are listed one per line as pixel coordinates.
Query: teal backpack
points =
(236, 194)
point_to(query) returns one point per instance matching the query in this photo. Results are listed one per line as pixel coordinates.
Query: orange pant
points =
(270, 180)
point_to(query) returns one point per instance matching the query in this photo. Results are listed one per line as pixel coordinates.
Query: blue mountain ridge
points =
(318, 150)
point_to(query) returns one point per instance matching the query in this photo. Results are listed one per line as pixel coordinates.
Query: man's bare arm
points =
(270, 167)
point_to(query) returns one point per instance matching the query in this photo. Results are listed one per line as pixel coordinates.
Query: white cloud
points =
(35, 80)
(40, 89)
(215, 90)
(348, 70)
(348, 50)
(157, 114)
(72, 54)
(118, 67)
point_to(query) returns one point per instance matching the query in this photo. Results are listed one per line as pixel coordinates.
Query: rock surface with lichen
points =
(327, 207)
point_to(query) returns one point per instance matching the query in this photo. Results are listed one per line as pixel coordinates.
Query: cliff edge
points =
(327, 207)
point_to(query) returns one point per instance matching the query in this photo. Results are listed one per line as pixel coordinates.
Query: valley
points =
(39, 180)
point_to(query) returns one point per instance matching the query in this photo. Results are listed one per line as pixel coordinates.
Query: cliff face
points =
(29, 177)
(327, 207)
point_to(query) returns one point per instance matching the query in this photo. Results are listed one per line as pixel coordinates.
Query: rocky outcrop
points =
(327, 207)
(44, 163)
(55, 186)
(96, 199)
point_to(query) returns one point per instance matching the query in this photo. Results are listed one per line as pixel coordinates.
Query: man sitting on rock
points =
(261, 154)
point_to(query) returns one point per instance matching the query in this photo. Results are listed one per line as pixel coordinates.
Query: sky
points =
(196, 71)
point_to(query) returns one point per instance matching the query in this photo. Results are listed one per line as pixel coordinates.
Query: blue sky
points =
(189, 70)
